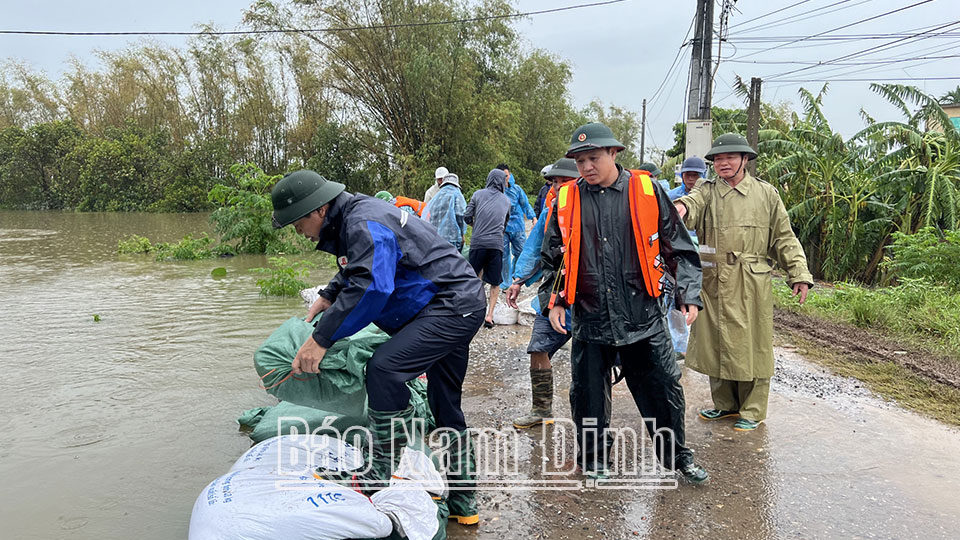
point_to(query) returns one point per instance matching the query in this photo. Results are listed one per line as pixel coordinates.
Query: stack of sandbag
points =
(273, 491)
(334, 399)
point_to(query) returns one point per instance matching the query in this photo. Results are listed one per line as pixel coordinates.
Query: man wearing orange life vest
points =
(610, 238)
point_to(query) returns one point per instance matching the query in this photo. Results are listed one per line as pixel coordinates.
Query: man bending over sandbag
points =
(398, 273)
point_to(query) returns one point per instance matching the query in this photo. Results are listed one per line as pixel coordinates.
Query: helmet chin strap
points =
(743, 159)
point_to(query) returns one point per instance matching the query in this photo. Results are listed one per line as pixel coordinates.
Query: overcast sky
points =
(620, 53)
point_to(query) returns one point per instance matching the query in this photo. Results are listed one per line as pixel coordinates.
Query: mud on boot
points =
(541, 384)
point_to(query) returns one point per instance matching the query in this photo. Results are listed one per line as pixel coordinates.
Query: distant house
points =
(953, 112)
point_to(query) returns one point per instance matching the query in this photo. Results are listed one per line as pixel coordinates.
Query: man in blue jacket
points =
(516, 232)
(394, 271)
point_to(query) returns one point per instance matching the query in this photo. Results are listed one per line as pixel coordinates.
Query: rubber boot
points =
(462, 481)
(541, 384)
(388, 443)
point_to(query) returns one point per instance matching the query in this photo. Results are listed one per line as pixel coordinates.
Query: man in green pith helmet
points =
(743, 229)
(655, 173)
(611, 237)
(395, 271)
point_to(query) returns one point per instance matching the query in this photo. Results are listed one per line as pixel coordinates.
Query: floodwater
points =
(112, 428)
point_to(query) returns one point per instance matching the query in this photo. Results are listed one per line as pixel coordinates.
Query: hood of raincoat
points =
(497, 179)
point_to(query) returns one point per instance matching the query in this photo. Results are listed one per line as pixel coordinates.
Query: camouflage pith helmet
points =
(299, 193)
(592, 136)
(731, 143)
(564, 167)
(651, 168)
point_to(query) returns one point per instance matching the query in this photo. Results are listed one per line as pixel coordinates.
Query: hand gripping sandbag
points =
(262, 501)
(339, 386)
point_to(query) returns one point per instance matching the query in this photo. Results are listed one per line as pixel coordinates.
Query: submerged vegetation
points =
(283, 277)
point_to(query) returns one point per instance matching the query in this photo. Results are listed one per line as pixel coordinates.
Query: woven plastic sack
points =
(259, 500)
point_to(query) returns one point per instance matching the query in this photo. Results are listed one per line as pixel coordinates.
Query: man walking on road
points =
(603, 256)
(488, 212)
(515, 233)
(544, 340)
(743, 228)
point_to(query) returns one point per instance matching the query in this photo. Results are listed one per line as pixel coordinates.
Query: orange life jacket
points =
(645, 216)
(548, 203)
(417, 206)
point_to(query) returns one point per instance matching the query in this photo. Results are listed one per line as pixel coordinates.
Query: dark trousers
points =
(653, 377)
(438, 345)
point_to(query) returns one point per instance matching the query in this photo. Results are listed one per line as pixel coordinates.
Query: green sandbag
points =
(338, 390)
(263, 421)
(338, 387)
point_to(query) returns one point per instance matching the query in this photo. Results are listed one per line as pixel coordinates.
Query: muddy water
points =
(111, 428)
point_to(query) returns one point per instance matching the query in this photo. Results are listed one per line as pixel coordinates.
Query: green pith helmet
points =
(384, 196)
(564, 167)
(299, 193)
(652, 168)
(731, 143)
(591, 136)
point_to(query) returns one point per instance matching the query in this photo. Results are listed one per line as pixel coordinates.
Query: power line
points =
(861, 21)
(847, 72)
(868, 79)
(683, 45)
(781, 10)
(812, 14)
(312, 30)
(864, 51)
(843, 37)
(861, 63)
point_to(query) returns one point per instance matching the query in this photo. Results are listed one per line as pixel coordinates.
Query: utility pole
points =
(753, 120)
(699, 133)
(643, 131)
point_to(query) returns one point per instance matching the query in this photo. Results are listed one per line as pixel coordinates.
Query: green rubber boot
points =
(541, 384)
(391, 431)
(462, 481)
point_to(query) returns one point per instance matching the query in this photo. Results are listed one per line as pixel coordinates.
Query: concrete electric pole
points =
(753, 120)
(643, 131)
(699, 133)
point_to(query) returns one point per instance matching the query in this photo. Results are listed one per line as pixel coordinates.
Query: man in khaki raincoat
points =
(743, 229)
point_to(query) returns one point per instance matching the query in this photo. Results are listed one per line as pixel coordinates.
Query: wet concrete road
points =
(832, 461)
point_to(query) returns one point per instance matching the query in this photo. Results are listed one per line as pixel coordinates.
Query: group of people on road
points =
(614, 252)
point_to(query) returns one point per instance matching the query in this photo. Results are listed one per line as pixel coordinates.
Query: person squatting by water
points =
(603, 256)
(743, 227)
(394, 271)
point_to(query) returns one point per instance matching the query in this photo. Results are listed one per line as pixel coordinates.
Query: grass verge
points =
(887, 379)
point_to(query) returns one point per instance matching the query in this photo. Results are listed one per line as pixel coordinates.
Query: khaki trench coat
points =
(742, 232)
